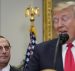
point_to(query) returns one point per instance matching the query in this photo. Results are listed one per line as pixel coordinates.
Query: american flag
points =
(31, 46)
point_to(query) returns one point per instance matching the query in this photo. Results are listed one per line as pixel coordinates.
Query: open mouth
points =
(62, 32)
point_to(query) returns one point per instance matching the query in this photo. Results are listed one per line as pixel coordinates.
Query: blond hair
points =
(63, 5)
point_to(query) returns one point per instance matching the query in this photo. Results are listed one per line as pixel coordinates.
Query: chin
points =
(4, 60)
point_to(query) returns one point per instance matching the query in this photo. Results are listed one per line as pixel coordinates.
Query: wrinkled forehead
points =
(3, 41)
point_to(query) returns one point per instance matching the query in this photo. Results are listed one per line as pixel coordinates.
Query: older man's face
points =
(4, 51)
(64, 21)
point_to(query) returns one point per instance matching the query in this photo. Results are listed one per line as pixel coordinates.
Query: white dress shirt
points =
(64, 50)
(7, 68)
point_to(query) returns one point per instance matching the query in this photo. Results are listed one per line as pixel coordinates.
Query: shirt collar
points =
(73, 42)
(7, 68)
(64, 45)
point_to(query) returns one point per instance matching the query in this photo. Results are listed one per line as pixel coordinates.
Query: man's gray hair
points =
(6, 39)
(63, 5)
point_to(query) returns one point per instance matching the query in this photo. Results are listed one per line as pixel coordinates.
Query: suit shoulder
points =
(47, 43)
(44, 47)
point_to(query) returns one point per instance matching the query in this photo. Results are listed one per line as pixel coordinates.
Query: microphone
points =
(62, 38)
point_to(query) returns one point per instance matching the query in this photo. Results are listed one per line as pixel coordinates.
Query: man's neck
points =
(3, 65)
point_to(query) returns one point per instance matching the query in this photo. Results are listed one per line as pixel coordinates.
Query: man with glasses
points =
(5, 55)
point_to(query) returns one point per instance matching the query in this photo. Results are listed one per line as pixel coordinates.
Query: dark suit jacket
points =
(13, 68)
(43, 57)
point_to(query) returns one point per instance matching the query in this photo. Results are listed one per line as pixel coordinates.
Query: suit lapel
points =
(11, 68)
(59, 63)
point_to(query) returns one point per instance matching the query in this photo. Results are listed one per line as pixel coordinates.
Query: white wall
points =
(15, 26)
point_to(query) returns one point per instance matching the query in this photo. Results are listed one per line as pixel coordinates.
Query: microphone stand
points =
(63, 37)
(55, 55)
(56, 50)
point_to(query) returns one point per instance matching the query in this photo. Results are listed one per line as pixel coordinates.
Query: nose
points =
(4, 51)
(60, 23)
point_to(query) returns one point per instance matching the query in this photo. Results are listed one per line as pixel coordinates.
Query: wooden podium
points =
(48, 70)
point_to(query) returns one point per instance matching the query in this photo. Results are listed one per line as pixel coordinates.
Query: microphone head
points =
(63, 37)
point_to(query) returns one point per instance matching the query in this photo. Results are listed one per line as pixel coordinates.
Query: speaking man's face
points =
(64, 21)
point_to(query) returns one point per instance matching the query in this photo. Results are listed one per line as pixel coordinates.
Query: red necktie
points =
(69, 60)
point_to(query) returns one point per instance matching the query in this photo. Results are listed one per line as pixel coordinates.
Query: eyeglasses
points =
(5, 47)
